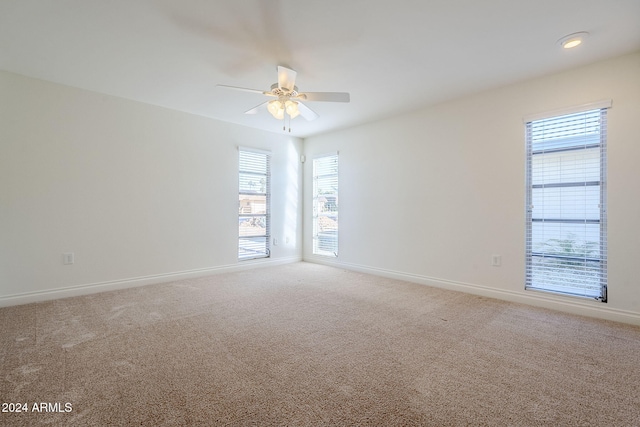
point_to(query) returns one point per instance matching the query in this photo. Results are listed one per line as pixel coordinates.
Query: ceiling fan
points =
(287, 98)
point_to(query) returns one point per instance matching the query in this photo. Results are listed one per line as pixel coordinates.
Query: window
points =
(254, 211)
(325, 205)
(566, 240)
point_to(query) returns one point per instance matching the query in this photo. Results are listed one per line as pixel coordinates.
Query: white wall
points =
(429, 196)
(138, 193)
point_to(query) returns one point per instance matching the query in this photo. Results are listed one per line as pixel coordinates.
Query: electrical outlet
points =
(68, 258)
(496, 260)
(275, 242)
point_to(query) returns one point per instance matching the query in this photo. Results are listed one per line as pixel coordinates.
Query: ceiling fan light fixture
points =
(292, 108)
(573, 40)
(276, 109)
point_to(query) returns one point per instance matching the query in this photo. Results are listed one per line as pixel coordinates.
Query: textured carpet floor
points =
(305, 344)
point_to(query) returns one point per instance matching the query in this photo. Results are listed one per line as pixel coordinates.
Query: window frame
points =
(560, 264)
(254, 242)
(319, 208)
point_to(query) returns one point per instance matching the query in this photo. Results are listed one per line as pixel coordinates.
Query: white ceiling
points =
(392, 56)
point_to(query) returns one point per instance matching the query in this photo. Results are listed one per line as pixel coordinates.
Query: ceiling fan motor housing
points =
(283, 92)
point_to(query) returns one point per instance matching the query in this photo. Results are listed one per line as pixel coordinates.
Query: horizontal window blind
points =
(566, 240)
(254, 212)
(325, 205)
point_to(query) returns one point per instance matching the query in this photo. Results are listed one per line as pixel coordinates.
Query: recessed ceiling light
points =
(573, 40)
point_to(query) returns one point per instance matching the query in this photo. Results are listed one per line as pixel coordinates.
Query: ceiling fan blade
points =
(286, 78)
(257, 108)
(244, 89)
(307, 112)
(325, 96)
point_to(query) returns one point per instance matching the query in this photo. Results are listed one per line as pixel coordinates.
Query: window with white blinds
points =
(253, 208)
(325, 205)
(566, 240)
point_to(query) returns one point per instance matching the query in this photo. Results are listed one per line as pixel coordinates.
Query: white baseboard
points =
(92, 288)
(539, 299)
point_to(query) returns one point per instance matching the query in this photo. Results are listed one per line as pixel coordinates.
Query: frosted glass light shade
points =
(276, 109)
(292, 108)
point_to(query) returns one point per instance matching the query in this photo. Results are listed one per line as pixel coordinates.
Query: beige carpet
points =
(306, 344)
